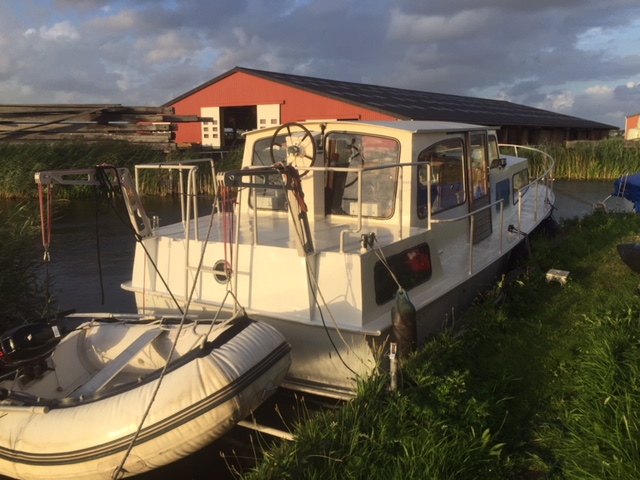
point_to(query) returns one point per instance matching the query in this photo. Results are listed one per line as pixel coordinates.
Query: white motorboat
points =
(329, 224)
(119, 395)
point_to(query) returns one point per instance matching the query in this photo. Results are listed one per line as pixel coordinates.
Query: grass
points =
(544, 383)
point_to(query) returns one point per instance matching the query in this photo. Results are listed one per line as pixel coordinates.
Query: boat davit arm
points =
(98, 176)
(290, 182)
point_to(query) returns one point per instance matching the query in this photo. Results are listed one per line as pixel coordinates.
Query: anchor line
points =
(380, 254)
(136, 235)
(572, 197)
(45, 226)
(315, 290)
(119, 470)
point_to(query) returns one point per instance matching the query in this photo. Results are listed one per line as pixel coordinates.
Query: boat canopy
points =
(628, 187)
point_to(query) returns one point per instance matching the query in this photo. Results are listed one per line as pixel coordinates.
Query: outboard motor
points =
(28, 344)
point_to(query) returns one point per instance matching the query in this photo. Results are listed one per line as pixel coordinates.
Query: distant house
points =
(631, 127)
(245, 99)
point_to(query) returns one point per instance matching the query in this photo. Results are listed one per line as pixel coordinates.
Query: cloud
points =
(59, 31)
(574, 57)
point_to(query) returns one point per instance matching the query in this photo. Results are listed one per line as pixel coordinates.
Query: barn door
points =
(211, 129)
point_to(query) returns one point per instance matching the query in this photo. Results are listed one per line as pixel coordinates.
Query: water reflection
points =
(576, 199)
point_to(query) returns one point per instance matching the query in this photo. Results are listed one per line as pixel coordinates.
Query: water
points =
(575, 199)
(86, 275)
(76, 258)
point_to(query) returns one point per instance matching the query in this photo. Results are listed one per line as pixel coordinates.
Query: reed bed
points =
(22, 295)
(542, 380)
(21, 161)
(606, 160)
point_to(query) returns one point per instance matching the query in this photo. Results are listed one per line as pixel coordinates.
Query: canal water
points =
(92, 256)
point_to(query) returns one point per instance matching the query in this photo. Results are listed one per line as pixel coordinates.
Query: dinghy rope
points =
(119, 471)
(45, 227)
(106, 186)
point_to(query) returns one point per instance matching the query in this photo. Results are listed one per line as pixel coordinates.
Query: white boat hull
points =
(327, 221)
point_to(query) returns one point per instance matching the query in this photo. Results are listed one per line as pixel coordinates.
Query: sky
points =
(576, 57)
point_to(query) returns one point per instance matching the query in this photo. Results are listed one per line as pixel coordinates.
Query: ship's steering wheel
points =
(300, 146)
(356, 159)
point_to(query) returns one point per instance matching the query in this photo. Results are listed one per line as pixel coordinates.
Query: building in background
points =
(631, 127)
(245, 99)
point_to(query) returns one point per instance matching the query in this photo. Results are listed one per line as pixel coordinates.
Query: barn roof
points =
(417, 105)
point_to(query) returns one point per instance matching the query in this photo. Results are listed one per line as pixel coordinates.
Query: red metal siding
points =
(632, 122)
(241, 89)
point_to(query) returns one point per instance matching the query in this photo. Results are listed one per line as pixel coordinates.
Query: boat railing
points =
(544, 179)
(471, 216)
(187, 188)
(189, 205)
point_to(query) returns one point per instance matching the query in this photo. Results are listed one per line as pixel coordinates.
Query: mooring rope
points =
(45, 227)
(127, 222)
(293, 182)
(119, 469)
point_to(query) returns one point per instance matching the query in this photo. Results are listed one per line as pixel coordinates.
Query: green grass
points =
(542, 384)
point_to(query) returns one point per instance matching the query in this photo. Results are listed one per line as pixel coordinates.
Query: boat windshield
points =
(354, 150)
(269, 198)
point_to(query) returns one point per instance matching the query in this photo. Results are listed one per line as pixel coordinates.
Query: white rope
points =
(311, 275)
(119, 470)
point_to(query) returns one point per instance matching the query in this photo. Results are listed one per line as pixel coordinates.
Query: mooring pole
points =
(393, 365)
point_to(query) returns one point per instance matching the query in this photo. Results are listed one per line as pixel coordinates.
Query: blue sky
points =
(577, 57)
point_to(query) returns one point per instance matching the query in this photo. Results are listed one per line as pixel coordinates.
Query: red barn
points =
(245, 99)
(242, 99)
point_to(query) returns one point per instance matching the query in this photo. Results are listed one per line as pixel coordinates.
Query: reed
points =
(20, 161)
(541, 381)
(22, 295)
(606, 160)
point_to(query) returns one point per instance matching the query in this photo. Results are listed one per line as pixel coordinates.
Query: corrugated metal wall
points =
(240, 90)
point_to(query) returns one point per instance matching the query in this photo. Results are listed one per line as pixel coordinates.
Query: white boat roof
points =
(424, 126)
(413, 126)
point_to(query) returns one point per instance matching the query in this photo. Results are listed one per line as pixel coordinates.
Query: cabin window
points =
(274, 197)
(503, 189)
(479, 170)
(353, 150)
(447, 176)
(520, 180)
(411, 267)
(494, 152)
